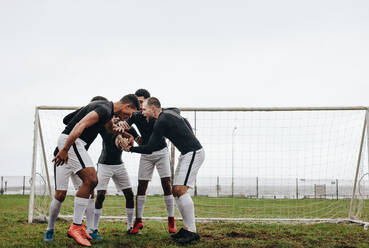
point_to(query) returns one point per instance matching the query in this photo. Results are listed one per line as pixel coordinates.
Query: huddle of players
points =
(105, 118)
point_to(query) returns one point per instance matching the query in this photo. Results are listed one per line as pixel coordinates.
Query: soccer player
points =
(61, 190)
(110, 165)
(159, 158)
(79, 133)
(171, 125)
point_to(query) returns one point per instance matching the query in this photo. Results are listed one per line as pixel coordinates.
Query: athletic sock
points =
(169, 202)
(130, 212)
(140, 204)
(187, 210)
(54, 212)
(97, 214)
(80, 205)
(90, 215)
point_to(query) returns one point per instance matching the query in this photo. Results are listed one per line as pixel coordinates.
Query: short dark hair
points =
(142, 92)
(98, 98)
(153, 101)
(132, 100)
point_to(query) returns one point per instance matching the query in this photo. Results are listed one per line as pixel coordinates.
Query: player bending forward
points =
(171, 125)
(61, 175)
(79, 133)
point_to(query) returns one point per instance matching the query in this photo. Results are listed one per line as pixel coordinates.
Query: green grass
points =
(231, 207)
(15, 232)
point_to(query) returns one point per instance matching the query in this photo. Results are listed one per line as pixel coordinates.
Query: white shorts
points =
(78, 159)
(159, 159)
(62, 174)
(117, 172)
(187, 168)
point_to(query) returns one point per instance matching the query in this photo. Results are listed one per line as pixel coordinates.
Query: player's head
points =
(142, 94)
(151, 107)
(98, 98)
(127, 106)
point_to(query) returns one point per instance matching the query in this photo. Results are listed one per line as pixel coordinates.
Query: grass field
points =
(15, 232)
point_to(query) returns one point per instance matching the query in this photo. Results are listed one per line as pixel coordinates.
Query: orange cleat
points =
(76, 232)
(85, 233)
(171, 225)
(137, 226)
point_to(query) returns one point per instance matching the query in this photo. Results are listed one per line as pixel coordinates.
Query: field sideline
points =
(15, 232)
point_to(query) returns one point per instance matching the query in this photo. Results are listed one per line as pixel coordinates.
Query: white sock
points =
(187, 210)
(80, 205)
(169, 202)
(90, 215)
(130, 212)
(140, 203)
(97, 214)
(54, 212)
(180, 209)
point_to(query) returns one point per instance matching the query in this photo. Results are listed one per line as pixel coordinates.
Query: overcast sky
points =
(187, 53)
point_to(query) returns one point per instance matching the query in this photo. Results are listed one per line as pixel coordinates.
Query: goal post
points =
(302, 164)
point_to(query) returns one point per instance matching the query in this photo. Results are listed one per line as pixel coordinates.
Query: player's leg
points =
(130, 207)
(61, 177)
(81, 164)
(184, 178)
(145, 171)
(123, 183)
(140, 205)
(104, 173)
(163, 167)
(77, 182)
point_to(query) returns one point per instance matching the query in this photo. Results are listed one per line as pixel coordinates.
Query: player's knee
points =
(167, 188)
(128, 194)
(100, 198)
(60, 195)
(141, 188)
(92, 182)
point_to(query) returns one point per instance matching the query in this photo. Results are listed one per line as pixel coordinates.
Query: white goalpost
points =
(284, 165)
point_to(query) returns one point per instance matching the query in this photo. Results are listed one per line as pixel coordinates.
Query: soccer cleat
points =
(129, 230)
(49, 235)
(179, 234)
(188, 237)
(137, 226)
(85, 233)
(171, 225)
(95, 235)
(75, 232)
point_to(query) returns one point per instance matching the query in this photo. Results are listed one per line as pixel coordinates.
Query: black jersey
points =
(110, 154)
(174, 127)
(146, 128)
(104, 109)
(70, 116)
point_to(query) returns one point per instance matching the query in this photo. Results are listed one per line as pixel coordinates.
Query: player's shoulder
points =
(172, 113)
(172, 110)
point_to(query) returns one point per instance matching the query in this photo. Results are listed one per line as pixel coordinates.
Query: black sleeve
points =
(133, 132)
(154, 141)
(69, 117)
(103, 113)
(188, 124)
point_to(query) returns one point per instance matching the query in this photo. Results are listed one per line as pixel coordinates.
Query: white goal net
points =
(262, 164)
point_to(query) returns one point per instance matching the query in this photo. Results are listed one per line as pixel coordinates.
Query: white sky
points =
(187, 53)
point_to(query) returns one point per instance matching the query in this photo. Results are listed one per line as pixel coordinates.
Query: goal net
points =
(261, 164)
